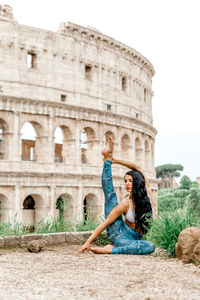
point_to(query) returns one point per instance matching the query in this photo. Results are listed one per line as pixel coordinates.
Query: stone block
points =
(12, 241)
(54, 238)
(25, 239)
(1, 242)
(77, 238)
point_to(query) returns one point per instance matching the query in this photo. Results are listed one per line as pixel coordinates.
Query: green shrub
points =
(170, 203)
(182, 193)
(193, 200)
(165, 230)
(185, 182)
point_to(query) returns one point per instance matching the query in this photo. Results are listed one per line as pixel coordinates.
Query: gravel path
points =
(60, 273)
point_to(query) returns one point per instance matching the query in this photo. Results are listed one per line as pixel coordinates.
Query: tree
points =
(185, 182)
(168, 171)
(194, 184)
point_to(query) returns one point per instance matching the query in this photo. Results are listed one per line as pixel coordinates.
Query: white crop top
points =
(130, 215)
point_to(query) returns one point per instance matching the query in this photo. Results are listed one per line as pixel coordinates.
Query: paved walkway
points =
(59, 273)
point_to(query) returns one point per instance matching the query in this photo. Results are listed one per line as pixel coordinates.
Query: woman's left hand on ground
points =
(86, 247)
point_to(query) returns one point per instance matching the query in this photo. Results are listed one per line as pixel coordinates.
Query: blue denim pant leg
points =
(118, 230)
(136, 247)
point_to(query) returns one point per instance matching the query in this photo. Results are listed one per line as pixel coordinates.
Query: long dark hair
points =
(143, 209)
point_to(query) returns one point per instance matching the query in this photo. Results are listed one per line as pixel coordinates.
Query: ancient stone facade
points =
(90, 86)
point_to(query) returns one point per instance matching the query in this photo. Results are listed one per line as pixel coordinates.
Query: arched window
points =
(125, 145)
(91, 209)
(64, 207)
(107, 134)
(87, 143)
(29, 203)
(58, 142)
(28, 136)
(124, 83)
(83, 146)
(60, 207)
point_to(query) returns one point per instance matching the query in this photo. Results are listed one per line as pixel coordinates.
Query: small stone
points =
(38, 245)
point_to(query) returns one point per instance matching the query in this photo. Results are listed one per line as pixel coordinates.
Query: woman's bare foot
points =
(108, 151)
(102, 250)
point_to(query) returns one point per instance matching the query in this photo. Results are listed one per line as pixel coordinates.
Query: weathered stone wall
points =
(81, 81)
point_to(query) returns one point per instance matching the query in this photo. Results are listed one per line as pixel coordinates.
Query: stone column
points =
(43, 149)
(51, 139)
(152, 155)
(69, 151)
(79, 202)
(18, 207)
(6, 209)
(52, 201)
(142, 155)
(15, 142)
(117, 142)
(132, 148)
(77, 145)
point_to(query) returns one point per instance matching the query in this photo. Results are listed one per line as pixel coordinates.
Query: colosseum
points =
(61, 94)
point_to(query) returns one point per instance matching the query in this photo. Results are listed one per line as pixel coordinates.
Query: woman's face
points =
(128, 183)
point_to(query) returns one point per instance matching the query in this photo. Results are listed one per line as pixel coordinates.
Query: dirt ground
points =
(60, 273)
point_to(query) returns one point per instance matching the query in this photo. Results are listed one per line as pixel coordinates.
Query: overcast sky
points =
(166, 32)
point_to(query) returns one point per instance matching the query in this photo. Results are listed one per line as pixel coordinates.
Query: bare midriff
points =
(130, 224)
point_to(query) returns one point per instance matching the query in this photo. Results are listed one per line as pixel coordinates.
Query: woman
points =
(125, 236)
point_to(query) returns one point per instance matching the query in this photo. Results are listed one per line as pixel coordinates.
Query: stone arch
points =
(125, 146)
(63, 149)
(3, 138)
(32, 146)
(33, 209)
(90, 207)
(4, 208)
(147, 154)
(138, 151)
(88, 138)
(64, 207)
(107, 134)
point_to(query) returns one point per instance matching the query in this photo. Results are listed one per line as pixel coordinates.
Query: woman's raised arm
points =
(128, 164)
(132, 165)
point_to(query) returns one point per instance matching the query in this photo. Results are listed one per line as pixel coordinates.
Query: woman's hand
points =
(86, 247)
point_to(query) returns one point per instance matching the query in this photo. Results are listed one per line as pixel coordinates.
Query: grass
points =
(56, 225)
(15, 228)
(51, 225)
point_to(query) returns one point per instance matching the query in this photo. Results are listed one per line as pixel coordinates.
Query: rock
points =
(38, 245)
(187, 247)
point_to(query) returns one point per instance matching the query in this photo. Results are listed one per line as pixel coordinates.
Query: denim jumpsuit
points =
(125, 239)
